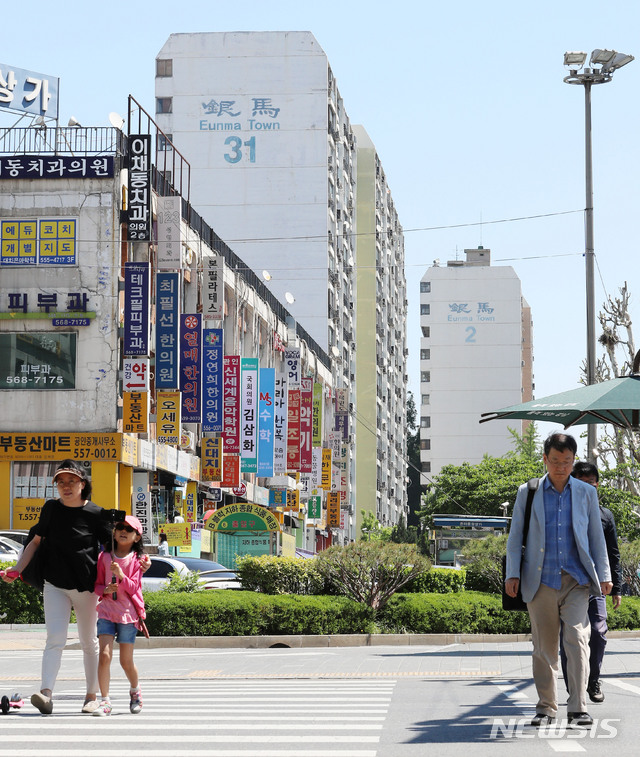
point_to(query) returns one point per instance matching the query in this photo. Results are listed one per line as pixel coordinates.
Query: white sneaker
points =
(104, 708)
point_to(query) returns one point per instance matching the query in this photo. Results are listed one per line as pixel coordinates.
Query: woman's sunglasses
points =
(124, 527)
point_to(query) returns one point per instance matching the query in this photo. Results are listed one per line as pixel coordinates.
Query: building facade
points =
(381, 310)
(274, 170)
(475, 356)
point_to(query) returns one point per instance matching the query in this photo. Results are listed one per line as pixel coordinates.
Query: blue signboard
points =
(212, 374)
(28, 91)
(266, 412)
(167, 322)
(136, 309)
(191, 367)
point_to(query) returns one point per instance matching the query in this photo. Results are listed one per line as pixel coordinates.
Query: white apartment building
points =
(260, 119)
(475, 356)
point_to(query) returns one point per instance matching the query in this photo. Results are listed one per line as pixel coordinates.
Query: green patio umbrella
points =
(616, 401)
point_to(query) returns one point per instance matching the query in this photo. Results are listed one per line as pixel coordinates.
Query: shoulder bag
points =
(517, 603)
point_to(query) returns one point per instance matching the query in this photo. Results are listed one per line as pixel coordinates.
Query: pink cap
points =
(134, 523)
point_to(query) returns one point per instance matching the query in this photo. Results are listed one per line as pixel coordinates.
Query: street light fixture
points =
(602, 65)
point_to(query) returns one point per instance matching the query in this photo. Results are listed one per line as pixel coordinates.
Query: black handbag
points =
(33, 573)
(517, 603)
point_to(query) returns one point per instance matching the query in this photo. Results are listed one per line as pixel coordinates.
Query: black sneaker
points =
(540, 719)
(580, 719)
(594, 690)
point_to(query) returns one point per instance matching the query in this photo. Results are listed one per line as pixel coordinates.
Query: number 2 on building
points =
(471, 335)
(235, 156)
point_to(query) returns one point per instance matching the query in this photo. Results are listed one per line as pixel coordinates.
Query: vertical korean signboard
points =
(306, 404)
(213, 287)
(211, 459)
(169, 242)
(266, 421)
(167, 327)
(135, 395)
(333, 509)
(191, 367)
(136, 309)
(280, 425)
(293, 430)
(168, 412)
(231, 404)
(139, 199)
(249, 415)
(212, 380)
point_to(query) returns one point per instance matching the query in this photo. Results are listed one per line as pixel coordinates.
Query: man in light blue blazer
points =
(565, 560)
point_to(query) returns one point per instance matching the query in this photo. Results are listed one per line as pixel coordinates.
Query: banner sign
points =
(169, 214)
(213, 287)
(342, 425)
(333, 509)
(280, 424)
(230, 470)
(211, 459)
(306, 402)
(191, 502)
(265, 421)
(249, 415)
(316, 468)
(168, 417)
(212, 380)
(316, 423)
(56, 167)
(139, 197)
(277, 497)
(135, 412)
(141, 504)
(293, 430)
(28, 92)
(342, 400)
(314, 508)
(292, 363)
(191, 367)
(136, 309)
(231, 404)
(167, 320)
(242, 516)
(326, 468)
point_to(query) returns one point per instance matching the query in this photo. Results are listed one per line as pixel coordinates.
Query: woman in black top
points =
(70, 531)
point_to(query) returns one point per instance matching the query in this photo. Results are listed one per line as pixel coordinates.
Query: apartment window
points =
(164, 105)
(164, 142)
(425, 377)
(425, 287)
(426, 467)
(426, 399)
(425, 421)
(425, 444)
(425, 309)
(425, 354)
(426, 331)
(164, 67)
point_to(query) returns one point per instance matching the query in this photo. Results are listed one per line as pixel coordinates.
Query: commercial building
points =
(131, 338)
(475, 356)
(260, 119)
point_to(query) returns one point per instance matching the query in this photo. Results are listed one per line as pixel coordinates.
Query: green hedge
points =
(245, 613)
(21, 602)
(437, 581)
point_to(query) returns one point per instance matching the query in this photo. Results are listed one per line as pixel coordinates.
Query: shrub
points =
(483, 563)
(20, 602)
(280, 575)
(371, 572)
(437, 581)
(244, 613)
(629, 562)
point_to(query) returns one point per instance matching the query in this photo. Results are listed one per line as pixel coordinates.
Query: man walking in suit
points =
(565, 560)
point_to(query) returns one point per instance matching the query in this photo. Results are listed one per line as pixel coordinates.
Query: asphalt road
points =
(385, 701)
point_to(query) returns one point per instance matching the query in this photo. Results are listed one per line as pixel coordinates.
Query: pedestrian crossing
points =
(225, 718)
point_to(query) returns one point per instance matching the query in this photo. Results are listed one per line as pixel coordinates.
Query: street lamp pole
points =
(602, 64)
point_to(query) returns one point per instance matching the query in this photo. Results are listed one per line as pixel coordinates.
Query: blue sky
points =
(468, 111)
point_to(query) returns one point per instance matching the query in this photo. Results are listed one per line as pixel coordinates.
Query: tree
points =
(370, 528)
(478, 489)
(371, 571)
(527, 444)
(414, 486)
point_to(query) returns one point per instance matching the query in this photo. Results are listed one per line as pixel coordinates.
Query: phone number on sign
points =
(34, 380)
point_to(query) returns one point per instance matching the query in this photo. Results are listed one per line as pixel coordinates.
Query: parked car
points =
(9, 549)
(213, 575)
(15, 535)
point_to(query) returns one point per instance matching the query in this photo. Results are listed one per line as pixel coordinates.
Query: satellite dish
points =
(115, 119)
(73, 121)
(289, 298)
(266, 275)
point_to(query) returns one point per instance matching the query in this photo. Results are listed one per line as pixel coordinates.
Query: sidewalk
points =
(24, 637)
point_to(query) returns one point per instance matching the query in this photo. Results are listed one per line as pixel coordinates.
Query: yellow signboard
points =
(55, 446)
(168, 417)
(178, 534)
(333, 509)
(26, 512)
(135, 412)
(211, 459)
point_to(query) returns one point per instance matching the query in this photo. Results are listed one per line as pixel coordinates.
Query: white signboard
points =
(213, 287)
(169, 238)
